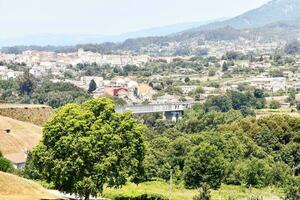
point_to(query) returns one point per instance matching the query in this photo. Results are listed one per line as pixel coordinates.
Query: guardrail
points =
(153, 108)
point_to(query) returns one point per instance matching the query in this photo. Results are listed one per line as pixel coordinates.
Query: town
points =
(180, 78)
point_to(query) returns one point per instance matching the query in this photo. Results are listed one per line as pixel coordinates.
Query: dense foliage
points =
(28, 90)
(85, 147)
(216, 147)
(5, 165)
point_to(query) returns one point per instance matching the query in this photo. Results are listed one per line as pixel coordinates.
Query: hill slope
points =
(276, 20)
(36, 114)
(274, 11)
(22, 136)
(16, 188)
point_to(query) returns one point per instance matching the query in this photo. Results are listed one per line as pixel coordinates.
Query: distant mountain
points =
(274, 11)
(67, 40)
(285, 30)
(276, 20)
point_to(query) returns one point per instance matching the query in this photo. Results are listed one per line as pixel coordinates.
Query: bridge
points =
(171, 111)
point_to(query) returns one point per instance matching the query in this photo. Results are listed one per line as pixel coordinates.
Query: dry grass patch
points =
(16, 188)
(22, 135)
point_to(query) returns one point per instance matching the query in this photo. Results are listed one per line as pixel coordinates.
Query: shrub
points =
(257, 173)
(5, 165)
(292, 189)
(204, 193)
(274, 105)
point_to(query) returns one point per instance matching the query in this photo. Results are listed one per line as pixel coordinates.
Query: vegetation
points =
(5, 165)
(205, 164)
(292, 48)
(217, 148)
(292, 189)
(274, 105)
(92, 86)
(28, 90)
(204, 193)
(87, 146)
(162, 190)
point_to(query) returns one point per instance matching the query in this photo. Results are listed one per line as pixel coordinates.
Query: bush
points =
(204, 193)
(292, 189)
(257, 173)
(5, 165)
(274, 105)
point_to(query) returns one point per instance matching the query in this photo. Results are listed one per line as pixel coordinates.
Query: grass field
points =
(179, 193)
(22, 135)
(16, 188)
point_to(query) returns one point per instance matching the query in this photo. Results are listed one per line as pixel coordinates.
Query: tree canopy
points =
(89, 145)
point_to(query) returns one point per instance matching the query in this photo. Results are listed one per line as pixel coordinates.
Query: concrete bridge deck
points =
(155, 108)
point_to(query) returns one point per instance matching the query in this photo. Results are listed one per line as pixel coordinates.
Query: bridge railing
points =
(152, 108)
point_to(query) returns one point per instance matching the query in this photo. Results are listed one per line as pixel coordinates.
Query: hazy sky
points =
(104, 17)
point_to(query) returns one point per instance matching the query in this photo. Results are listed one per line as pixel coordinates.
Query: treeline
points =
(21, 49)
(214, 148)
(28, 90)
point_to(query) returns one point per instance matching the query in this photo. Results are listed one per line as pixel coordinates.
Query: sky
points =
(110, 17)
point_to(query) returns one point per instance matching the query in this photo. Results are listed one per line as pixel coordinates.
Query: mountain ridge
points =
(69, 39)
(273, 11)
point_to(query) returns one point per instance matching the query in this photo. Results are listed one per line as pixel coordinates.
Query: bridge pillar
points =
(180, 115)
(173, 116)
(164, 116)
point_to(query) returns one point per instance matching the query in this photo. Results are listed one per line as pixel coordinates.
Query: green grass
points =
(179, 193)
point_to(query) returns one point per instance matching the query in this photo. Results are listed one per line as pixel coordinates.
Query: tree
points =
(5, 165)
(187, 80)
(292, 189)
(259, 93)
(274, 104)
(218, 103)
(298, 106)
(292, 48)
(211, 72)
(224, 67)
(205, 164)
(26, 83)
(92, 86)
(87, 146)
(204, 193)
(292, 97)
(257, 173)
(58, 94)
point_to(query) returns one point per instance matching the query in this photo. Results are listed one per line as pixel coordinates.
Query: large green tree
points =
(205, 164)
(87, 146)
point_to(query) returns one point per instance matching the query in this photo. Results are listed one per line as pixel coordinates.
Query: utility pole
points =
(170, 186)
